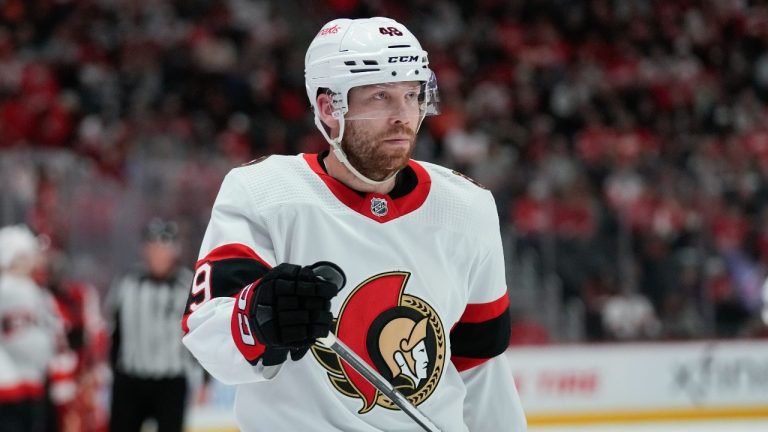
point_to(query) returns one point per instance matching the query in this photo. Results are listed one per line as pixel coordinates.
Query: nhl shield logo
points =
(379, 207)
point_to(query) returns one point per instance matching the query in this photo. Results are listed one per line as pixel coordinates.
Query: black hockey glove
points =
(291, 308)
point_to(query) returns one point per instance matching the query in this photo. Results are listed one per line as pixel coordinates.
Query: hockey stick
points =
(331, 273)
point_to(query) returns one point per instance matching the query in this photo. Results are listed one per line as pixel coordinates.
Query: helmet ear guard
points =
(350, 53)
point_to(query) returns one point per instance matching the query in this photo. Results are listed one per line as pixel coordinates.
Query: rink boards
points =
(610, 383)
(575, 384)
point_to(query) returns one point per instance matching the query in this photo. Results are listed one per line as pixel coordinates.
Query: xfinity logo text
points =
(717, 374)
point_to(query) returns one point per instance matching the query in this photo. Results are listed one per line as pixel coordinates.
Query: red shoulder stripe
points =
(21, 391)
(231, 250)
(465, 363)
(479, 312)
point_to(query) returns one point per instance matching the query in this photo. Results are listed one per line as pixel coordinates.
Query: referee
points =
(150, 365)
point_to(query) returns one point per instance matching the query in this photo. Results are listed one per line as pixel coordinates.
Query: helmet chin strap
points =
(342, 157)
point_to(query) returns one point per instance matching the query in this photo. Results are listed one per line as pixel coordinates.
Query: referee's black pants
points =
(135, 400)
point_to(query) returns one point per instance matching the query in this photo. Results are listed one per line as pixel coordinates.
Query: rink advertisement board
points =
(633, 382)
(572, 384)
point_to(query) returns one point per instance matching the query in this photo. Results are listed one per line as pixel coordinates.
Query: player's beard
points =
(374, 159)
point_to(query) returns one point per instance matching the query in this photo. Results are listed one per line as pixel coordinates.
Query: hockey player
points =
(425, 301)
(29, 330)
(78, 370)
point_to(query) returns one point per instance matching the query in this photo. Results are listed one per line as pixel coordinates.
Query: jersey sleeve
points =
(492, 402)
(484, 328)
(236, 251)
(482, 335)
(28, 335)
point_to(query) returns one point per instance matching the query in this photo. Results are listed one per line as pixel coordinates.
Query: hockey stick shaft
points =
(378, 381)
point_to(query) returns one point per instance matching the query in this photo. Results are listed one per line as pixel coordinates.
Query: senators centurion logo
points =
(398, 334)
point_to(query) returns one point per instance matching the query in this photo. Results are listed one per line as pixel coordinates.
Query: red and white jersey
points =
(425, 301)
(28, 333)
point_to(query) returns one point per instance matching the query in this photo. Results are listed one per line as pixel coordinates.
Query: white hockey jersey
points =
(28, 333)
(425, 301)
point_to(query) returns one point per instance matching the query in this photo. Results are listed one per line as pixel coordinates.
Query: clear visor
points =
(388, 100)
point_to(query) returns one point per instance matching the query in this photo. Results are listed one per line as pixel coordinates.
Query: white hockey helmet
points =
(17, 242)
(349, 53)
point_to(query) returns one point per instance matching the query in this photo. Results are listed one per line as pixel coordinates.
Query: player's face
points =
(380, 130)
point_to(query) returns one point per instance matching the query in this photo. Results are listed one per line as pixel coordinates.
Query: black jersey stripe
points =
(481, 340)
(231, 267)
(229, 276)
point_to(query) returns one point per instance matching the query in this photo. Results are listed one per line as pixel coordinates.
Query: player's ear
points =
(325, 111)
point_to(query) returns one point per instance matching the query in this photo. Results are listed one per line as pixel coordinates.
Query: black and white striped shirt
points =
(146, 313)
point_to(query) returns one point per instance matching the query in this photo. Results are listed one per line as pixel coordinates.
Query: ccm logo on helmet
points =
(403, 59)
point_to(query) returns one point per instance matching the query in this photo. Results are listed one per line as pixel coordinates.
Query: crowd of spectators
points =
(626, 141)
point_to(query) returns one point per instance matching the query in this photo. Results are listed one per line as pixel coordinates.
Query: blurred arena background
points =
(625, 141)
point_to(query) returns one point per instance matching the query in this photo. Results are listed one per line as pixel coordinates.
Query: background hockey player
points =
(29, 331)
(425, 301)
(78, 371)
